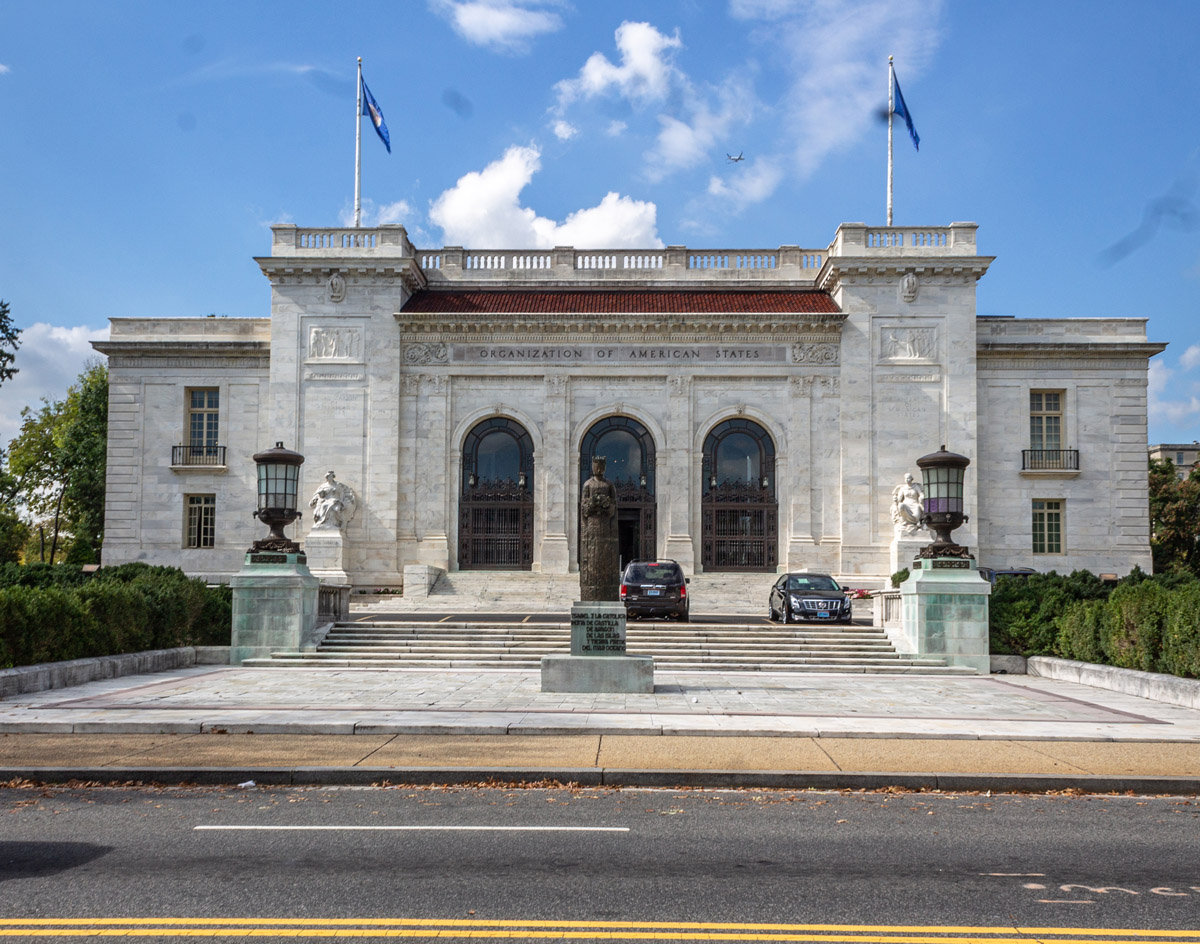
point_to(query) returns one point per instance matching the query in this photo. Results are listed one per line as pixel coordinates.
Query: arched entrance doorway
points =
(629, 449)
(740, 517)
(495, 506)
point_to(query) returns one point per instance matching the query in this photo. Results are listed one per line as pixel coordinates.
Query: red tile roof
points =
(619, 301)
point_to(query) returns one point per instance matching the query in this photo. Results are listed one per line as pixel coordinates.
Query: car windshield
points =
(812, 582)
(653, 573)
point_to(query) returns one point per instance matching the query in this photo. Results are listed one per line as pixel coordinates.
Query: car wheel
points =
(787, 613)
(684, 617)
(771, 612)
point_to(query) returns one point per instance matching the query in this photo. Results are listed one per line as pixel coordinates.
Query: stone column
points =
(674, 488)
(799, 430)
(430, 489)
(406, 484)
(550, 476)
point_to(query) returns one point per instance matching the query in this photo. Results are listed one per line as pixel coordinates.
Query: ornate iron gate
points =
(495, 503)
(738, 511)
(740, 528)
(495, 527)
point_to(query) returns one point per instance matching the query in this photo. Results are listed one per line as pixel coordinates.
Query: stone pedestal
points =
(945, 612)
(598, 661)
(326, 551)
(274, 605)
(903, 550)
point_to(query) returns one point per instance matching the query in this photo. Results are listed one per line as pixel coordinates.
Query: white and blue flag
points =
(372, 110)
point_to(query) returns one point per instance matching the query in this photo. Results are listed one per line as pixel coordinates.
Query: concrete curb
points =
(602, 777)
(1155, 686)
(27, 679)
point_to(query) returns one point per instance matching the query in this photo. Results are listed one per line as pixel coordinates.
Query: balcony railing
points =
(1050, 460)
(198, 455)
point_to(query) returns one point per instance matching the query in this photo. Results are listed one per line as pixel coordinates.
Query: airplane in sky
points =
(734, 160)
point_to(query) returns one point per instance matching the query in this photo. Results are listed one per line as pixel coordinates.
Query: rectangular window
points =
(1045, 419)
(1179, 458)
(203, 424)
(201, 520)
(1047, 526)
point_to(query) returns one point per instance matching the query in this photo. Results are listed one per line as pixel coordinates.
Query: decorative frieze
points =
(334, 343)
(815, 353)
(422, 355)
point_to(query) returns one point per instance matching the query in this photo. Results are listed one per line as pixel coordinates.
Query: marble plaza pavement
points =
(301, 725)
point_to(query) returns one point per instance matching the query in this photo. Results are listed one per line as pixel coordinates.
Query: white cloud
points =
(564, 130)
(747, 184)
(1190, 358)
(683, 144)
(4, 70)
(839, 78)
(381, 214)
(615, 129)
(502, 25)
(483, 210)
(48, 361)
(644, 74)
(1182, 411)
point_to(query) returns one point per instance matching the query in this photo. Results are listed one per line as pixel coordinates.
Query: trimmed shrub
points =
(1181, 633)
(54, 613)
(899, 577)
(1131, 632)
(1025, 612)
(1079, 631)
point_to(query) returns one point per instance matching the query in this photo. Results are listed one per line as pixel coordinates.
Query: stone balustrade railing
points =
(786, 263)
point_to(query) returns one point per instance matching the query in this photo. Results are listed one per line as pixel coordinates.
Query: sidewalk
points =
(212, 724)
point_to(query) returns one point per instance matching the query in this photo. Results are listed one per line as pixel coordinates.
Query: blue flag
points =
(372, 110)
(901, 110)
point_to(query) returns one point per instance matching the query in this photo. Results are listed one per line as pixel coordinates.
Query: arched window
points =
(495, 520)
(629, 452)
(740, 517)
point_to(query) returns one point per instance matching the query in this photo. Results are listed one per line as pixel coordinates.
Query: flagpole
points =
(358, 152)
(891, 108)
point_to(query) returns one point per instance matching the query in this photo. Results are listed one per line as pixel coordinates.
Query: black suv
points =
(655, 588)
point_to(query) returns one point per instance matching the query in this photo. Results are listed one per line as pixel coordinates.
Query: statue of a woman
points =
(908, 507)
(333, 504)
(599, 563)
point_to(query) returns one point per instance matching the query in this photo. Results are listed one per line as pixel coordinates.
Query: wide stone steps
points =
(675, 647)
(470, 591)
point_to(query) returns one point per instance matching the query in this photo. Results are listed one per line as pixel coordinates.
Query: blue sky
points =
(146, 147)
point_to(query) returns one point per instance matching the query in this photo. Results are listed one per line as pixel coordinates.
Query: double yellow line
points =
(574, 930)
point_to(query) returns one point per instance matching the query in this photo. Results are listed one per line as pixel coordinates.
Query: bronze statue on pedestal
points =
(599, 565)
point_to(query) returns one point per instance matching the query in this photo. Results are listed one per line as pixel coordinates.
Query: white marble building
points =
(758, 407)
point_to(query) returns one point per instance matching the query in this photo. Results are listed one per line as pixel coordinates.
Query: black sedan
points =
(809, 597)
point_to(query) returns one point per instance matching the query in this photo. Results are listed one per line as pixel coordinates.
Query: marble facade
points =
(379, 359)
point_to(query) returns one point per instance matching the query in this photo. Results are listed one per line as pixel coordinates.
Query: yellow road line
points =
(568, 930)
(493, 934)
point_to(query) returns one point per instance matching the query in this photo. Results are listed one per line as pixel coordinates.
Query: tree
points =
(8, 343)
(13, 531)
(1174, 519)
(58, 459)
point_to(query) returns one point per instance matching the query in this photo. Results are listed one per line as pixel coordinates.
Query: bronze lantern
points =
(943, 473)
(278, 485)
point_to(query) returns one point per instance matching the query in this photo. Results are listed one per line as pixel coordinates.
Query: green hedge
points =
(1147, 623)
(53, 613)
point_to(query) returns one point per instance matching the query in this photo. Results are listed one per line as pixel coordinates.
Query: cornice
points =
(1074, 349)
(298, 270)
(174, 347)
(671, 326)
(932, 270)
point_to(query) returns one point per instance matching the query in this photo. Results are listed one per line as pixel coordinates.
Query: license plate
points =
(821, 614)
(654, 593)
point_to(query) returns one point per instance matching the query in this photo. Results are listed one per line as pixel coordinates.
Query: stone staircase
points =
(676, 647)
(472, 591)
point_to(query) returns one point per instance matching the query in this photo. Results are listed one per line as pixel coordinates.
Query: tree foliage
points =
(1174, 519)
(58, 462)
(8, 343)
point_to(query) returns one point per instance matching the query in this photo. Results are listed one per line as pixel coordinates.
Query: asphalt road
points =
(531, 864)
